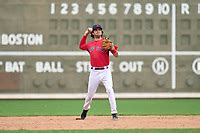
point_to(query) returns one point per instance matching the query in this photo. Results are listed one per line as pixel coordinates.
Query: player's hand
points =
(107, 44)
(88, 31)
(112, 46)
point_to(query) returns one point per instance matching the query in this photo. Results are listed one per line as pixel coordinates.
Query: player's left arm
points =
(114, 50)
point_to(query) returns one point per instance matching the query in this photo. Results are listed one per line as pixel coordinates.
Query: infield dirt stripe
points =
(97, 122)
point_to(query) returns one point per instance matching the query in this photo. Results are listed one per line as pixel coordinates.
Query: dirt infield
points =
(97, 122)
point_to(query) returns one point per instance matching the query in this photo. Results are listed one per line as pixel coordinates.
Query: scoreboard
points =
(159, 47)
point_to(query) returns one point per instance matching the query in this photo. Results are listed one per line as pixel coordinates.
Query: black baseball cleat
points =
(84, 114)
(114, 117)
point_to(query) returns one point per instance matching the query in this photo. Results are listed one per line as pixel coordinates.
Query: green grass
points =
(100, 107)
(112, 131)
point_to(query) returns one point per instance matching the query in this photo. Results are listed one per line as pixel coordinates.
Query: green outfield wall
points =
(159, 51)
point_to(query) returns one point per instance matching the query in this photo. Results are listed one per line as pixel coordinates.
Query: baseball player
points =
(99, 50)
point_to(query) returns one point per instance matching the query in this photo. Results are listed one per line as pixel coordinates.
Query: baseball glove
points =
(107, 43)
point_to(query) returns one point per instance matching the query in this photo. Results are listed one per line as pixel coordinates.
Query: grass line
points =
(99, 107)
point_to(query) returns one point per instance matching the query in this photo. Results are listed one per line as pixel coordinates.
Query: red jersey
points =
(99, 57)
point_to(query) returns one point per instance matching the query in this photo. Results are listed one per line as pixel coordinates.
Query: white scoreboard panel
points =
(159, 47)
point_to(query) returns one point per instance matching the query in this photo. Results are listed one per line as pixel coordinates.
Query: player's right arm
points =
(83, 44)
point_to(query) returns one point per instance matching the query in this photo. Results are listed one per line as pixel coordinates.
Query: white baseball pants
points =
(97, 76)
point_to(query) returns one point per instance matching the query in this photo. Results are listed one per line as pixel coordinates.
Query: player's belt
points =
(99, 68)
